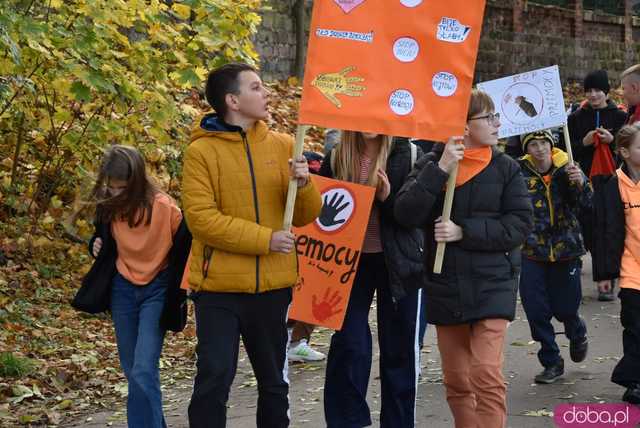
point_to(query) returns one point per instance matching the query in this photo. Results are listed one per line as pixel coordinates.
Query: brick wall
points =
(577, 40)
(517, 35)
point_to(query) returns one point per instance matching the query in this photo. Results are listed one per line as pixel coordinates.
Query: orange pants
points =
(472, 357)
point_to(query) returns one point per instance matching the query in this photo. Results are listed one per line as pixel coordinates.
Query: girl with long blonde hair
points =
(391, 267)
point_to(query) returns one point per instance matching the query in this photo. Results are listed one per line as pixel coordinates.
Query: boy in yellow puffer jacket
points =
(235, 180)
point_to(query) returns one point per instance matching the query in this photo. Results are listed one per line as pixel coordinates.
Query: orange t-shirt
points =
(143, 250)
(630, 265)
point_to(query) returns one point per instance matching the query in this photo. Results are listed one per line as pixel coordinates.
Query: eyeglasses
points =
(491, 118)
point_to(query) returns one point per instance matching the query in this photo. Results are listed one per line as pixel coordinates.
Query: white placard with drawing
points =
(528, 102)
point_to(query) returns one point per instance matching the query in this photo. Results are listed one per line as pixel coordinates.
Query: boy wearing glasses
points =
(474, 298)
(550, 278)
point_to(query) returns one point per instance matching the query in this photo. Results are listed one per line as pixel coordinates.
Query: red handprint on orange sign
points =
(327, 307)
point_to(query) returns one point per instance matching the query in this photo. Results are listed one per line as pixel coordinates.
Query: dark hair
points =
(223, 81)
(480, 102)
(135, 203)
(626, 135)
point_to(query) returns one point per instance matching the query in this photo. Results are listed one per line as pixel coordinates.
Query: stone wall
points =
(276, 40)
(517, 35)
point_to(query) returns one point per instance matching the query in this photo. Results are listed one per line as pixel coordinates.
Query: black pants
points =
(627, 371)
(350, 354)
(550, 290)
(261, 320)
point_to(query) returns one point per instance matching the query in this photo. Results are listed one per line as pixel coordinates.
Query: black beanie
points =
(597, 80)
(545, 135)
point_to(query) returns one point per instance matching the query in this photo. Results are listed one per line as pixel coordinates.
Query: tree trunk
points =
(300, 18)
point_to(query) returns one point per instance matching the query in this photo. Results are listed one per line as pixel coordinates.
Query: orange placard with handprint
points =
(328, 252)
(394, 67)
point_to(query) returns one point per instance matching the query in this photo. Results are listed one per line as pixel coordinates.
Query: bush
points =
(78, 75)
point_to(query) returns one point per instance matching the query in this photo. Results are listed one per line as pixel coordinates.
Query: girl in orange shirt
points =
(616, 252)
(136, 224)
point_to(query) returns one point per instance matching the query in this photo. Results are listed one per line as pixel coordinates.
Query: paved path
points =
(584, 382)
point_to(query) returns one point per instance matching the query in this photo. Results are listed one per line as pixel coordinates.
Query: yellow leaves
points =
(64, 404)
(182, 59)
(61, 85)
(182, 10)
(156, 155)
(56, 4)
(6, 66)
(201, 72)
(7, 163)
(189, 110)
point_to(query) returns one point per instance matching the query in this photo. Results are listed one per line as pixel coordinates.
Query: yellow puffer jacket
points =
(234, 192)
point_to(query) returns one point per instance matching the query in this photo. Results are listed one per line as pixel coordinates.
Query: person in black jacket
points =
(616, 251)
(474, 297)
(596, 122)
(599, 115)
(141, 245)
(391, 267)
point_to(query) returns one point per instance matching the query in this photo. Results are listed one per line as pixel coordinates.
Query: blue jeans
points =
(136, 312)
(552, 290)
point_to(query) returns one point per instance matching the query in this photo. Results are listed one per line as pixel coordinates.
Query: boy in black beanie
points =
(599, 119)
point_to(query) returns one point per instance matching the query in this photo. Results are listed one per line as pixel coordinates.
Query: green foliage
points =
(14, 366)
(78, 75)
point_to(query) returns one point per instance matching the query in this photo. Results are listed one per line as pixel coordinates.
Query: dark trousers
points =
(261, 320)
(552, 290)
(423, 319)
(627, 371)
(350, 354)
(301, 330)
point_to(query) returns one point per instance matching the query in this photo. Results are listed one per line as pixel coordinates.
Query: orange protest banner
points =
(329, 252)
(393, 67)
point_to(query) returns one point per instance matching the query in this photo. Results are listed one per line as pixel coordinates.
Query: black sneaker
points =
(550, 374)
(632, 394)
(578, 349)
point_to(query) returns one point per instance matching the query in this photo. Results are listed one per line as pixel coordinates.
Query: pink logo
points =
(348, 5)
(595, 415)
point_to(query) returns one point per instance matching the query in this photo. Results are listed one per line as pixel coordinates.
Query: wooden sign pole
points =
(567, 142)
(446, 216)
(293, 182)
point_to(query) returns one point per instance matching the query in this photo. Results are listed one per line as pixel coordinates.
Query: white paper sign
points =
(528, 102)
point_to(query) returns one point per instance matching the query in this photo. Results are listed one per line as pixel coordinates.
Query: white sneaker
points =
(303, 352)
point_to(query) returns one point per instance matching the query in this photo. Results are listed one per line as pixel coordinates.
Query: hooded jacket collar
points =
(211, 125)
(559, 158)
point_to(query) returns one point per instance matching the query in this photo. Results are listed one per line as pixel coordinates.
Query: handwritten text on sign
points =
(528, 102)
(328, 253)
